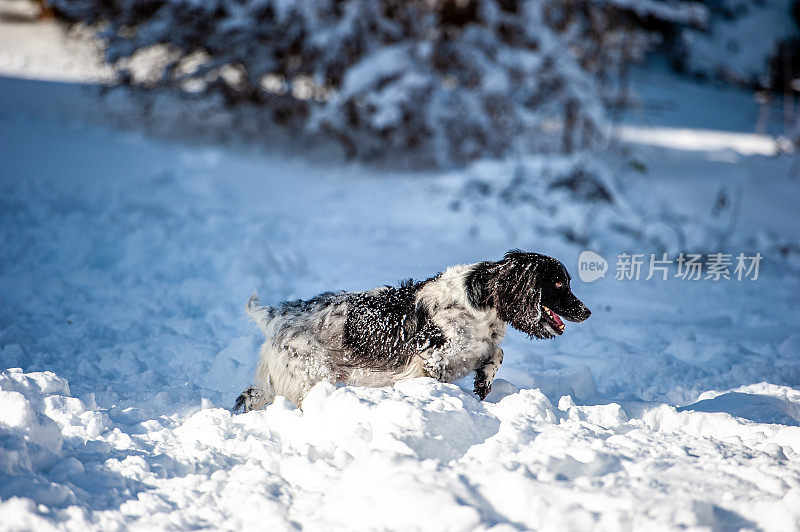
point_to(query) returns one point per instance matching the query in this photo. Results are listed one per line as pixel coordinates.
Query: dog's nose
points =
(586, 313)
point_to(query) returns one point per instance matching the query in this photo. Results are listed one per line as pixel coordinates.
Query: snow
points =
(126, 261)
(689, 13)
(49, 54)
(704, 140)
(361, 458)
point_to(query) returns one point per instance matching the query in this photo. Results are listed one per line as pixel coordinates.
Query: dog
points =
(444, 327)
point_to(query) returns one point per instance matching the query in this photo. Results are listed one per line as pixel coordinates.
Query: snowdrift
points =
(420, 455)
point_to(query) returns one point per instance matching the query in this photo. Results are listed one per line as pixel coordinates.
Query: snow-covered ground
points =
(125, 262)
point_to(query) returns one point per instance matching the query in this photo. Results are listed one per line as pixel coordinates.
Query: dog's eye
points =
(559, 284)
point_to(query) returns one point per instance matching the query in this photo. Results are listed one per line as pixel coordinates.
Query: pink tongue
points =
(556, 318)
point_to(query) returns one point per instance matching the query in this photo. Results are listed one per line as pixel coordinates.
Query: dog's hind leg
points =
(255, 397)
(484, 375)
(252, 398)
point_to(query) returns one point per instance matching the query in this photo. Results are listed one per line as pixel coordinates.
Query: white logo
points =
(591, 266)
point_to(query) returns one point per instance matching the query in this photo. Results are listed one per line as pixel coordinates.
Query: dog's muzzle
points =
(577, 314)
(574, 314)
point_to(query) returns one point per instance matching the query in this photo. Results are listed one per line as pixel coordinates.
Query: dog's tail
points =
(261, 315)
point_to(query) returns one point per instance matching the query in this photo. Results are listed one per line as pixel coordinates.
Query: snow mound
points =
(37, 418)
(31, 438)
(762, 402)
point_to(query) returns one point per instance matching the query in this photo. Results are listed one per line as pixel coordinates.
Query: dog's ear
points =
(515, 292)
(477, 284)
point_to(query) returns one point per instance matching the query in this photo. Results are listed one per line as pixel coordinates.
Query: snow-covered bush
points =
(441, 81)
(749, 42)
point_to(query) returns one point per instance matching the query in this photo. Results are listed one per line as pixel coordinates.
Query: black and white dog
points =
(444, 327)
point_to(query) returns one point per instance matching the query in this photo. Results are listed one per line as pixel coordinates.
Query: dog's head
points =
(529, 291)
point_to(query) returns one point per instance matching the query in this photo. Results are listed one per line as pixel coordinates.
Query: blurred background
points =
(424, 83)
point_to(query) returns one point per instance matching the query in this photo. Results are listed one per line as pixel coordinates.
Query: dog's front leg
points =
(435, 366)
(484, 374)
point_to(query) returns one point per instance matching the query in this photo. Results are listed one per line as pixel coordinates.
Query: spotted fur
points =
(444, 327)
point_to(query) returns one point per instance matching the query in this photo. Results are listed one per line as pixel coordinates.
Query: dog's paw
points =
(247, 400)
(240, 404)
(482, 388)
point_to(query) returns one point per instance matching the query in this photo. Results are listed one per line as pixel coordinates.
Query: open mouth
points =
(552, 319)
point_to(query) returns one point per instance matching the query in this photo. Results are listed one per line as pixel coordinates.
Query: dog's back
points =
(371, 338)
